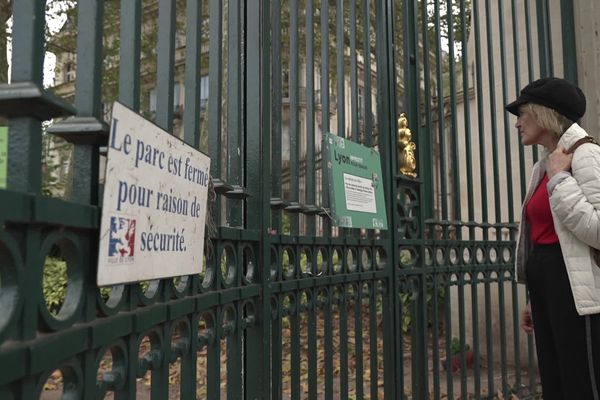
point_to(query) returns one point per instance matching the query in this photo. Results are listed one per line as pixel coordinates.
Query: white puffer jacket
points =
(575, 205)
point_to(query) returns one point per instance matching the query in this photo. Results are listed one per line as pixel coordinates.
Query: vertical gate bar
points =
(89, 60)
(367, 65)
(166, 65)
(343, 323)
(373, 355)
(193, 72)
(456, 198)
(328, 333)
(425, 148)
(130, 387)
(28, 325)
(530, 63)
(544, 38)
(257, 350)
(386, 85)
(404, 312)
(480, 114)
(507, 145)
(493, 119)
(325, 110)
(310, 114)
(312, 343)
(213, 359)
(475, 324)
(340, 76)
(294, 115)
(189, 363)
(516, 332)
(462, 336)
(567, 19)
(489, 334)
(276, 90)
(435, 339)
(502, 333)
(160, 371)
(510, 197)
(234, 124)
(391, 350)
(358, 338)
(353, 74)
(24, 161)
(25, 141)
(528, 39)
(295, 348)
(467, 115)
(27, 390)
(531, 360)
(88, 98)
(276, 385)
(215, 73)
(420, 373)
(408, 54)
(129, 59)
(234, 359)
(517, 77)
(23, 173)
(439, 59)
(448, 329)
(86, 157)
(29, 21)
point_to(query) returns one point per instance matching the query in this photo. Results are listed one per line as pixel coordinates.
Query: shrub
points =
(55, 283)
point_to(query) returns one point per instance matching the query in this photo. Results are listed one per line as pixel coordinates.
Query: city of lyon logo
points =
(121, 245)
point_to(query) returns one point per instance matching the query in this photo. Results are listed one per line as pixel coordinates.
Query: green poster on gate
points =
(355, 184)
(3, 155)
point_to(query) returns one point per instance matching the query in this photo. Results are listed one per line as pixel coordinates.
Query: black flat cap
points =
(555, 93)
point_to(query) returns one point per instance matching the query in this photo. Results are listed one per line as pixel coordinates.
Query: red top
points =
(539, 216)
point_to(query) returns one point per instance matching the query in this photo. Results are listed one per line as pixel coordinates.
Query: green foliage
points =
(65, 42)
(406, 321)
(405, 257)
(286, 226)
(54, 283)
(105, 292)
(455, 347)
(406, 304)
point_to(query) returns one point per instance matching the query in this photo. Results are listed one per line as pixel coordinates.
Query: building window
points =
(177, 104)
(204, 84)
(69, 72)
(285, 83)
(180, 38)
(152, 102)
(178, 93)
(361, 104)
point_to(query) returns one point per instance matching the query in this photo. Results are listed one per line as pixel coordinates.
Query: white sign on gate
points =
(154, 206)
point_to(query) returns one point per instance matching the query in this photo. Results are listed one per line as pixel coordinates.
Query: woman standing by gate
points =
(558, 239)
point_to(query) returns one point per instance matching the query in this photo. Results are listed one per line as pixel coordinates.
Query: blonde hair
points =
(549, 119)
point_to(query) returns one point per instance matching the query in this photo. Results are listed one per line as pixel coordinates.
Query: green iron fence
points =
(287, 306)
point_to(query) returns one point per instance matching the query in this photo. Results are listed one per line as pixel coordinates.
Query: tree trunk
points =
(5, 12)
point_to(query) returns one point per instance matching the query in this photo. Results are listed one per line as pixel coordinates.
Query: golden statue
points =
(406, 148)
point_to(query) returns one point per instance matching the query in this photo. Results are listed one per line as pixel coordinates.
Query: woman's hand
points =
(558, 161)
(527, 320)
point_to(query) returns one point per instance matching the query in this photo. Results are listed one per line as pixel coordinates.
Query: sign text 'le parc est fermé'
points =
(154, 206)
(355, 184)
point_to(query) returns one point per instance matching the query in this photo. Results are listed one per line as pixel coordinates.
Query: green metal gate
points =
(287, 306)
